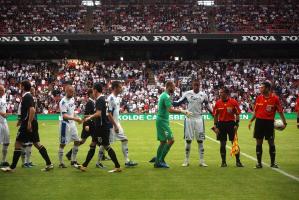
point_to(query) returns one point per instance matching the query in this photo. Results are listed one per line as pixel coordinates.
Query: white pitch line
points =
(254, 159)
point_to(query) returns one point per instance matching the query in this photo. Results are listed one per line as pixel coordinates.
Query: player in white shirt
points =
(194, 125)
(117, 132)
(68, 130)
(4, 131)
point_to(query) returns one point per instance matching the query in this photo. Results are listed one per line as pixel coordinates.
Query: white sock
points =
(4, 152)
(60, 155)
(28, 153)
(74, 153)
(187, 150)
(124, 146)
(201, 151)
(100, 155)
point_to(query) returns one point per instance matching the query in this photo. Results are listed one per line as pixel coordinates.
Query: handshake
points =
(187, 113)
(78, 120)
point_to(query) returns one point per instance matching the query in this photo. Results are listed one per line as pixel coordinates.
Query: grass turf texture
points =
(145, 182)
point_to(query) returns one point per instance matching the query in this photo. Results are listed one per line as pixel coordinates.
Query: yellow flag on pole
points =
(235, 148)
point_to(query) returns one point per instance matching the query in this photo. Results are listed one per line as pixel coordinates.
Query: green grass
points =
(145, 182)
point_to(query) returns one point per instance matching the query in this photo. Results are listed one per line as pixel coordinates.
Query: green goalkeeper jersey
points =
(163, 105)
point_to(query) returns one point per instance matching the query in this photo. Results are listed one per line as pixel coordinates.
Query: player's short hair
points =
(89, 92)
(225, 90)
(267, 84)
(26, 85)
(115, 84)
(168, 84)
(98, 87)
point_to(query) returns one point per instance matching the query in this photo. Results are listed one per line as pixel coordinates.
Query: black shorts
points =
(101, 136)
(264, 128)
(226, 128)
(85, 134)
(24, 136)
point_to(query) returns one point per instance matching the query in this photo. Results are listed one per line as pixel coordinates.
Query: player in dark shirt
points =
(28, 131)
(101, 134)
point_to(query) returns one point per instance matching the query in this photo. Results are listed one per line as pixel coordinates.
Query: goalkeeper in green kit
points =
(164, 133)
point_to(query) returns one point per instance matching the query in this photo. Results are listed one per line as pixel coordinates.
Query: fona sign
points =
(155, 38)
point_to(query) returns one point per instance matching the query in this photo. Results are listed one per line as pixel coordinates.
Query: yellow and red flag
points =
(235, 147)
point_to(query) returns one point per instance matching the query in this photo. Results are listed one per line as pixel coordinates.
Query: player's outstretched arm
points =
(97, 114)
(68, 117)
(185, 112)
(179, 102)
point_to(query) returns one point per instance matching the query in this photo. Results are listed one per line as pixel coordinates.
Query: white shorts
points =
(194, 127)
(68, 132)
(117, 136)
(4, 133)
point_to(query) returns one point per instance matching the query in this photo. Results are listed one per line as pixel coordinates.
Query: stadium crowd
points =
(140, 93)
(151, 19)
(72, 17)
(257, 18)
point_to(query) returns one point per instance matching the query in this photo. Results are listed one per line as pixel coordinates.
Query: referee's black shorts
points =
(226, 129)
(264, 128)
(24, 136)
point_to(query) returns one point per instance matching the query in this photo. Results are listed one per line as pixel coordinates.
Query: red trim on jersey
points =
(227, 110)
(266, 107)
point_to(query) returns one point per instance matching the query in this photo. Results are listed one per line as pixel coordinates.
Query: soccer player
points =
(102, 132)
(4, 131)
(226, 122)
(266, 105)
(28, 131)
(117, 132)
(68, 129)
(164, 133)
(27, 147)
(194, 126)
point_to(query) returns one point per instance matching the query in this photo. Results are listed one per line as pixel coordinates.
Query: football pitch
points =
(146, 182)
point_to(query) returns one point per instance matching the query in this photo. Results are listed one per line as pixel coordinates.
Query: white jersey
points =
(67, 106)
(195, 102)
(3, 107)
(114, 106)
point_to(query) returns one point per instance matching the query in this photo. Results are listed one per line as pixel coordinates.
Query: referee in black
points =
(28, 131)
(102, 131)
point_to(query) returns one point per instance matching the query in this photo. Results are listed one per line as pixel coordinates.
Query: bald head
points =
(69, 90)
(170, 87)
(2, 90)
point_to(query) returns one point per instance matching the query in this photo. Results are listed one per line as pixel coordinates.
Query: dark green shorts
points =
(163, 130)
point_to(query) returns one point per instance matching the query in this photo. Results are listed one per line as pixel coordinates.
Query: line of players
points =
(102, 124)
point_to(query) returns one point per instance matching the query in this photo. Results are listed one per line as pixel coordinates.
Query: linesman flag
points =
(235, 148)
